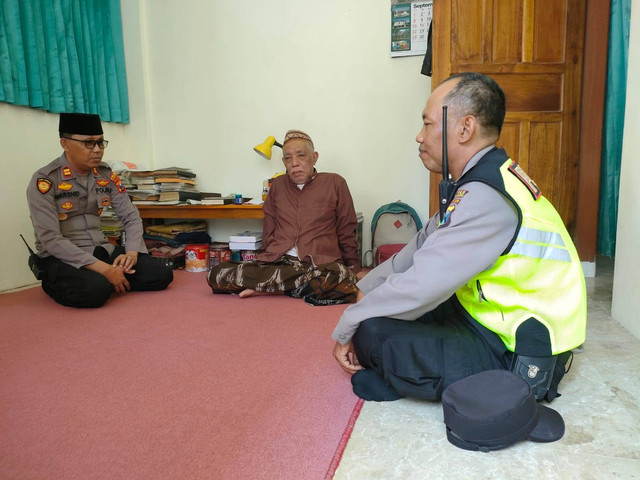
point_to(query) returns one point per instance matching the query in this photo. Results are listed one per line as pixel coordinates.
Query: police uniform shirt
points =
(438, 260)
(65, 211)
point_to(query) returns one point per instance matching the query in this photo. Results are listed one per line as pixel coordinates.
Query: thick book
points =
(183, 172)
(246, 236)
(245, 245)
(217, 201)
(180, 195)
(188, 181)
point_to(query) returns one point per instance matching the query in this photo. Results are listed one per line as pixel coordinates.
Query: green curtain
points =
(613, 125)
(64, 56)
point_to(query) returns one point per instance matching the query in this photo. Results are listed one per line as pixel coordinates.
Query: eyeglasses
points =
(91, 144)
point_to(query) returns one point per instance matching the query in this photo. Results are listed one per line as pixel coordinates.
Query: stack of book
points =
(111, 226)
(176, 184)
(247, 240)
(165, 186)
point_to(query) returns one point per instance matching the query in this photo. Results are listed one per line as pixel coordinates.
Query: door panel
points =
(533, 49)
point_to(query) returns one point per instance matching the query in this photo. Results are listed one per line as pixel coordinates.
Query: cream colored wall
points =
(29, 140)
(225, 75)
(626, 287)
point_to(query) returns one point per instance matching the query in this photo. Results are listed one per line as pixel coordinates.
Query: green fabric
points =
(613, 125)
(64, 56)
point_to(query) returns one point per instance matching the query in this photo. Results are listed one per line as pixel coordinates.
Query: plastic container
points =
(196, 258)
(218, 252)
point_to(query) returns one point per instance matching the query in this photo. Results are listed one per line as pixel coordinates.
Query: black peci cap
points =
(80, 123)
(494, 409)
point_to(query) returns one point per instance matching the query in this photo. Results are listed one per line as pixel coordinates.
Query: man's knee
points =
(371, 332)
(150, 275)
(92, 294)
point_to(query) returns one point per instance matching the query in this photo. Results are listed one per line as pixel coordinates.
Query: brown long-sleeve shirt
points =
(319, 220)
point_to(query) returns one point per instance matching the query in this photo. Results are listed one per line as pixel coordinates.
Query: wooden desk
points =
(200, 211)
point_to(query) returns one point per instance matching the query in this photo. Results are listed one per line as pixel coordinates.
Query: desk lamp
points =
(264, 148)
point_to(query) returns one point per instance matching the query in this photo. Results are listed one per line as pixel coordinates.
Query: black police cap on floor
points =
(80, 123)
(494, 409)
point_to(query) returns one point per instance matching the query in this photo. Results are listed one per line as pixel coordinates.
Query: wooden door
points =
(533, 49)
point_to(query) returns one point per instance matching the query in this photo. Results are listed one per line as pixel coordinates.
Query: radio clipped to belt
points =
(35, 265)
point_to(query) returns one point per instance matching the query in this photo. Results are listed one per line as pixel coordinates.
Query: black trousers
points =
(83, 288)
(421, 358)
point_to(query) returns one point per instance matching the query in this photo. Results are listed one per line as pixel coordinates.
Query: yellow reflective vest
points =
(539, 275)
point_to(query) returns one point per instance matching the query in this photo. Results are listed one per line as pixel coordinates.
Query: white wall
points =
(209, 79)
(225, 75)
(626, 287)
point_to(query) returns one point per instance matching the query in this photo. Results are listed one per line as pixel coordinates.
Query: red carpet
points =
(179, 384)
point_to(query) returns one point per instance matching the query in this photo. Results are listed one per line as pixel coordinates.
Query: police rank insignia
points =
(44, 185)
(65, 186)
(67, 205)
(95, 171)
(444, 221)
(118, 183)
(102, 182)
(66, 172)
(524, 178)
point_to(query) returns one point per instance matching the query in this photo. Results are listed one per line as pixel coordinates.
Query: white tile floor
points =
(600, 405)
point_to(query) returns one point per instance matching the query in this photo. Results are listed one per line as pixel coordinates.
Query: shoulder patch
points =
(524, 178)
(44, 185)
(444, 221)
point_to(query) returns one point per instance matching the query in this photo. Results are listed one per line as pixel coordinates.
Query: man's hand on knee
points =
(126, 262)
(346, 357)
(115, 275)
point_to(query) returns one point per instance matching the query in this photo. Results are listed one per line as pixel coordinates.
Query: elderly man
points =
(494, 284)
(66, 197)
(309, 247)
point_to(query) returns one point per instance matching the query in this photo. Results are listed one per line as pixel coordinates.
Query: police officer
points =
(494, 281)
(66, 198)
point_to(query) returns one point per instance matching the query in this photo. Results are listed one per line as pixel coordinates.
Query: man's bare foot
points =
(247, 292)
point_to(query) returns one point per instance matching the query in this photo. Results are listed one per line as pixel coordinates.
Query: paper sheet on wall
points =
(409, 27)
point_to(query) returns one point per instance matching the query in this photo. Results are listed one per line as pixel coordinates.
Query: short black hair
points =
(478, 95)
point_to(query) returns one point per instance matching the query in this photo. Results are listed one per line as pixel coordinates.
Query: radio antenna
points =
(446, 186)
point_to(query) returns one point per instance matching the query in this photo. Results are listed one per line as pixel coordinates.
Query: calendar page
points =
(409, 27)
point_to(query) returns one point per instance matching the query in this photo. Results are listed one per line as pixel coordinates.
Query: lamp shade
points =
(264, 149)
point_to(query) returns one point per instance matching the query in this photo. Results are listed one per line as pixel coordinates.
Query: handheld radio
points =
(34, 262)
(445, 187)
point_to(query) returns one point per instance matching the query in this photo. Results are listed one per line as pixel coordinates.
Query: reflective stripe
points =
(540, 236)
(539, 251)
